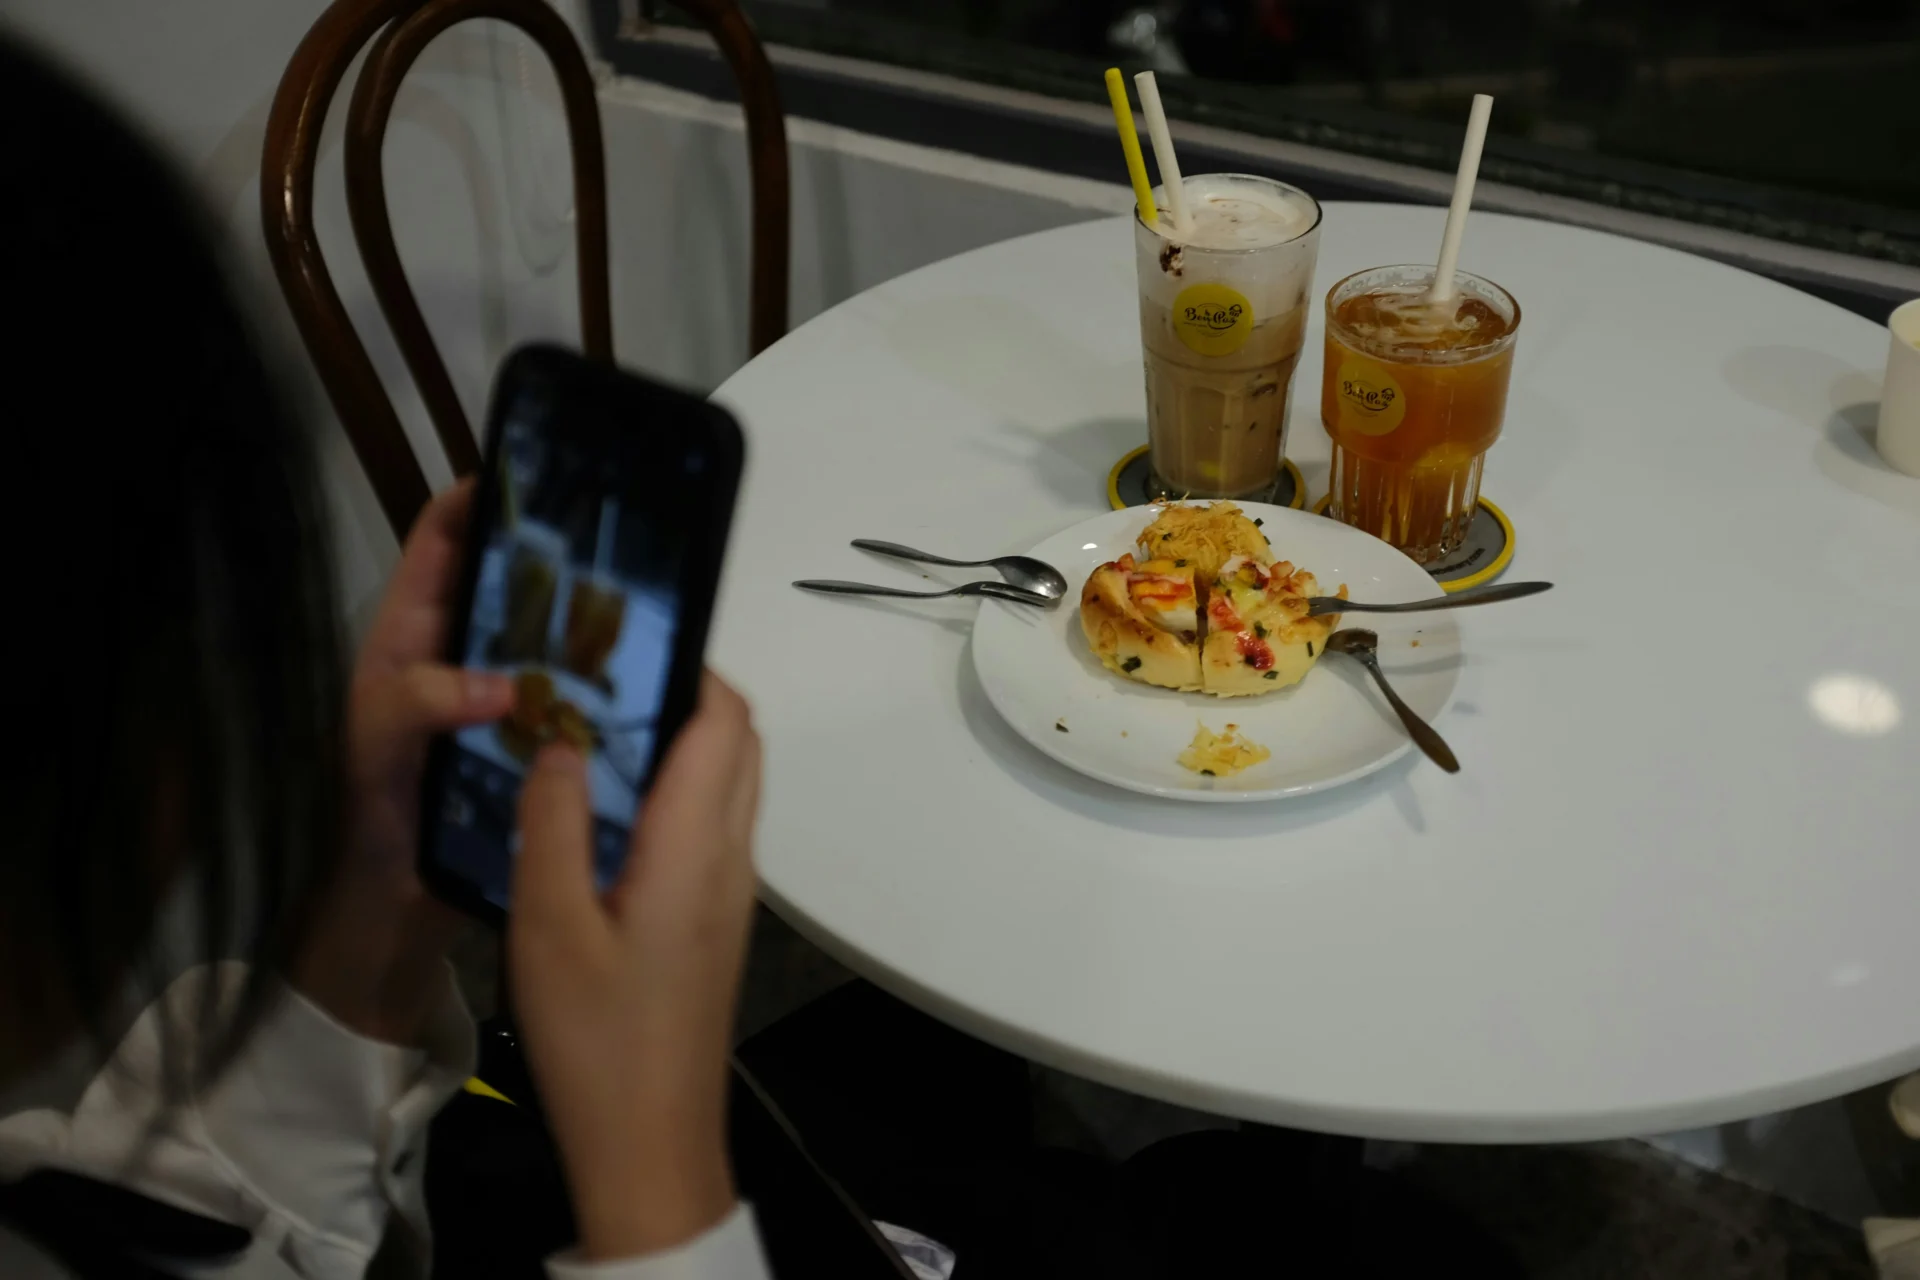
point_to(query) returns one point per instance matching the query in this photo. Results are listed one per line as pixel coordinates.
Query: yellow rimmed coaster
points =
(1485, 554)
(1127, 484)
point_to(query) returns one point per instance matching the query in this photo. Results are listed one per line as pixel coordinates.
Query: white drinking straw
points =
(1163, 157)
(1442, 288)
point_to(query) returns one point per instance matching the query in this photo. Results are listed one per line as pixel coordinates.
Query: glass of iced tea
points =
(596, 611)
(1223, 315)
(1414, 395)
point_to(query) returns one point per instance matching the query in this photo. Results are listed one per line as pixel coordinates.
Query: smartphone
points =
(592, 558)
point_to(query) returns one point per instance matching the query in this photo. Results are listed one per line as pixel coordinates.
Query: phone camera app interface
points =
(577, 603)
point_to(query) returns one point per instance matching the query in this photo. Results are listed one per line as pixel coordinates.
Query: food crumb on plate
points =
(1416, 644)
(1221, 755)
(1061, 725)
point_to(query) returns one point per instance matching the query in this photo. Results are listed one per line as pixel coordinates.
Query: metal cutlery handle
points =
(908, 553)
(1419, 730)
(1007, 591)
(836, 587)
(998, 590)
(1458, 600)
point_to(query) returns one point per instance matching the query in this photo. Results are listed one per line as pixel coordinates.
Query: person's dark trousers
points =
(931, 1129)
(498, 1201)
(854, 1108)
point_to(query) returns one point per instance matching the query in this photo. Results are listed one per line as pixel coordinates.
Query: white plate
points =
(1331, 728)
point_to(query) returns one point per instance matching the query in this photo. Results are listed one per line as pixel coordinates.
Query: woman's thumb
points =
(553, 875)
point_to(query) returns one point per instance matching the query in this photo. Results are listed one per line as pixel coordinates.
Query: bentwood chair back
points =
(394, 33)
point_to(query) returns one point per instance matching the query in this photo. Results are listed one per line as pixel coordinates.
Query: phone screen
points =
(578, 595)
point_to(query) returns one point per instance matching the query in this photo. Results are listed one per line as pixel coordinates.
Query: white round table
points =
(1678, 881)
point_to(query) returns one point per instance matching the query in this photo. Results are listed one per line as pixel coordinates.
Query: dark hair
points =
(170, 663)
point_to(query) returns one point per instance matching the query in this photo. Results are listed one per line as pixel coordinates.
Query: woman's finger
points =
(698, 774)
(432, 551)
(553, 875)
(432, 697)
(743, 808)
(691, 797)
(412, 620)
(430, 557)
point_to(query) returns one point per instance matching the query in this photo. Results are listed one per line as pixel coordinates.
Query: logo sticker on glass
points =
(1371, 402)
(1213, 319)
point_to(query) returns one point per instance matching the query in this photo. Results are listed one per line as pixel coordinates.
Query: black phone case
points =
(682, 423)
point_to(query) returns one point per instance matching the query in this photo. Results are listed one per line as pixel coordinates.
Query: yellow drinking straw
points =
(1130, 143)
(480, 1088)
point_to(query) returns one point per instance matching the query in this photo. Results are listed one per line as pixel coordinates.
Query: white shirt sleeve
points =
(312, 1140)
(729, 1250)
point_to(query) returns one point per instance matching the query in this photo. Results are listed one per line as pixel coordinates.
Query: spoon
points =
(1022, 571)
(1359, 644)
(998, 590)
(1317, 605)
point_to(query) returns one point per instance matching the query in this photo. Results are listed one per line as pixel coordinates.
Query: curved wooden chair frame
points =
(399, 31)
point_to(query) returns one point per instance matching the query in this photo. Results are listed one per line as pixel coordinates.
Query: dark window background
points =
(1793, 119)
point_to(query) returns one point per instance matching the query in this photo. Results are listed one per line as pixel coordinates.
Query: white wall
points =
(479, 187)
(864, 210)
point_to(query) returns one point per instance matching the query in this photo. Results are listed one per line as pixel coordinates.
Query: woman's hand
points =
(375, 957)
(626, 1001)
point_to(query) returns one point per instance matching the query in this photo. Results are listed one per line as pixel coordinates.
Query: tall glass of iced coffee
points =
(1223, 313)
(1414, 394)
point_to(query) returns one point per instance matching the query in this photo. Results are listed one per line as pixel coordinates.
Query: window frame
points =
(1715, 218)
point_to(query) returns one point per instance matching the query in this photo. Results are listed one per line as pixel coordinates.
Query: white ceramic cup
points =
(1899, 432)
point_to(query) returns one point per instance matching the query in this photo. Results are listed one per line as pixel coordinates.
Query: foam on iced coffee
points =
(1231, 215)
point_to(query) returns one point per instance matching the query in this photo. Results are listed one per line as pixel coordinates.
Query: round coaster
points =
(1485, 554)
(1127, 484)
